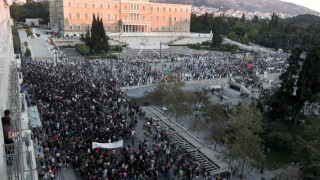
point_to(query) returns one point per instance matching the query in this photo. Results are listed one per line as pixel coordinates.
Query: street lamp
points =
(119, 46)
(161, 43)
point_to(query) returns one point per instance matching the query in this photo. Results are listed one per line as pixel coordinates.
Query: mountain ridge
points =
(264, 6)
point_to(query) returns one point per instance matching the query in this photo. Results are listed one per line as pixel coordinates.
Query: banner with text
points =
(118, 144)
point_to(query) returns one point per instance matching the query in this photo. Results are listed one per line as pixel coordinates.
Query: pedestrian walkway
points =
(179, 135)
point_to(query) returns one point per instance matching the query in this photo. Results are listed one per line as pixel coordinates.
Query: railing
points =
(14, 160)
(20, 159)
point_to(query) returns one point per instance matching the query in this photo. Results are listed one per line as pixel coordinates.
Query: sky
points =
(311, 4)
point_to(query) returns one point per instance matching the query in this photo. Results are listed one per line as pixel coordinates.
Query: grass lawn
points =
(276, 159)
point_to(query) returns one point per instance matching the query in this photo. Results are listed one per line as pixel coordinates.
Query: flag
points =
(118, 144)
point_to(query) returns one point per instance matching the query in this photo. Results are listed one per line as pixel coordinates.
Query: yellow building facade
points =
(74, 16)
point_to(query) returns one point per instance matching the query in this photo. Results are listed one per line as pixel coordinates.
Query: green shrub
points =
(102, 52)
(28, 53)
(93, 51)
(82, 49)
(280, 140)
(26, 44)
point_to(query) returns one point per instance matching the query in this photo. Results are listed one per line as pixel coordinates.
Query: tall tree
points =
(244, 143)
(243, 18)
(96, 38)
(217, 120)
(216, 31)
(308, 147)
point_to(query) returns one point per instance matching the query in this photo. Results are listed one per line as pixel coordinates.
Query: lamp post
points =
(170, 46)
(161, 43)
(119, 47)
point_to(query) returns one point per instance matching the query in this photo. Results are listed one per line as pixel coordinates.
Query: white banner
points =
(117, 144)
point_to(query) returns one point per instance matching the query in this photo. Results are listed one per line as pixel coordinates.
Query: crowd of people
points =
(245, 68)
(82, 103)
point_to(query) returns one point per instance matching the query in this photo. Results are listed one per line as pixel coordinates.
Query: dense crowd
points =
(243, 68)
(82, 103)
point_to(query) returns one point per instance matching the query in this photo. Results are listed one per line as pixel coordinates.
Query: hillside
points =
(265, 6)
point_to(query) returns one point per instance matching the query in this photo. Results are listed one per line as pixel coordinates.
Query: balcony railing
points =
(20, 159)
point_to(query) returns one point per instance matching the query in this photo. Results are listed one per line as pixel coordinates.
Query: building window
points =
(181, 10)
(108, 6)
(109, 28)
(78, 15)
(180, 19)
(138, 17)
(69, 4)
(70, 27)
(144, 8)
(70, 16)
(157, 18)
(101, 16)
(175, 9)
(151, 8)
(125, 6)
(157, 29)
(169, 18)
(87, 27)
(157, 8)
(169, 9)
(125, 17)
(116, 28)
(186, 20)
(138, 7)
(168, 28)
(150, 28)
(180, 29)
(85, 5)
(175, 19)
(94, 5)
(163, 19)
(162, 28)
(151, 18)
(86, 16)
(164, 9)
(101, 6)
(115, 17)
(109, 16)
(187, 10)
(77, 4)
(116, 6)
(79, 27)
(143, 18)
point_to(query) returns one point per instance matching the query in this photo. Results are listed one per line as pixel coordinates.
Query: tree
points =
(216, 32)
(179, 102)
(308, 148)
(170, 93)
(216, 117)
(157, 95)
(96, 38)
(245, 39)
(27, 53)
(243, 18)
(244, 142)
(30, 10)
(284, 102)
(274, 22)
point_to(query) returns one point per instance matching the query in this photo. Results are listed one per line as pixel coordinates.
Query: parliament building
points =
(119, 16)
